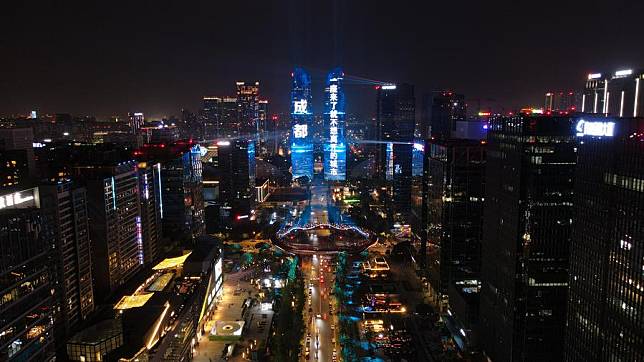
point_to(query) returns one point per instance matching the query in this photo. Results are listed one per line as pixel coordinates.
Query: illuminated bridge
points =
(321, 227)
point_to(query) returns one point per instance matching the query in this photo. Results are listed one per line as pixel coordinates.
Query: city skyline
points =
(322, 181)
(84, 59)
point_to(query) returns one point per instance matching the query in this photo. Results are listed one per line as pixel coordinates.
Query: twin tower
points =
(301, 139)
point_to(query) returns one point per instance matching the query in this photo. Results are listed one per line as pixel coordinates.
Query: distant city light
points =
(223, 143)
(389, 87)
(623, 72)
(599, 129)
(594, 76)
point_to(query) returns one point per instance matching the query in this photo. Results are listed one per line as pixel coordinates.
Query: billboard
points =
(334, 113)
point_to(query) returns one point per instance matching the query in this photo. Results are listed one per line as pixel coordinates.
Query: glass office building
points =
(606, 295)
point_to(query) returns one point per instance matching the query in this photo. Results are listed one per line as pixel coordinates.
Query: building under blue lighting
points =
(301, 123)
(335, 149)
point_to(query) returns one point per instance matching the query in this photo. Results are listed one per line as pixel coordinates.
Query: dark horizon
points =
(158, 58)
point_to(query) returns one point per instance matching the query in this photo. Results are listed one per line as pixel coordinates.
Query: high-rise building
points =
(527, 221)
(65, 206)
(262, 125)
(606, 295)
(14, 167)
(114, 213)
(210, 117)
(616, 94)
(447, 109)
(181, 205)
(453, 202)
(248, 107)
(18, 139)
(27, 305)
(560, 101)
(301, 125)
(136, 121)
(335, 148)
(150, 185)
(395, 114)
(219, 115)
(236, 165)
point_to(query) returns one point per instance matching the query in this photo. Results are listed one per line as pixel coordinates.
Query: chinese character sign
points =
(300, 131)
(300, 107)
(334, 148)
(301, 117)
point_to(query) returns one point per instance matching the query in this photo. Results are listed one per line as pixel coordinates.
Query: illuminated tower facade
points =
(335, 149)
(301, 121)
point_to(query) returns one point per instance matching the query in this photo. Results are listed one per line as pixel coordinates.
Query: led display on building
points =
(334, 147)
(301, 121)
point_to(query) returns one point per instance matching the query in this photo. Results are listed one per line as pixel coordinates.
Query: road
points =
(321, 335)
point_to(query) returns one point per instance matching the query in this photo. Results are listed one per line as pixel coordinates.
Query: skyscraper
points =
(447, 109)
(301, 122)
(606, 296)
(335, 148)
(136, 121)
(616, 94)
(395, 115)
(27, 305)
(262, 125)
(114, 211)
(110, 178)
(454, 184)
(236, 166)
(151, 203)
(526, 235)
(560, 101)
(219, 115)
(13, 142)
(64, 204)
(248, 107)
(181, 206)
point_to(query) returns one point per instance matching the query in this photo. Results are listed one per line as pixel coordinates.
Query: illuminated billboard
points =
(595, 128)
(21, 199)
(335, 152)
(301, 140)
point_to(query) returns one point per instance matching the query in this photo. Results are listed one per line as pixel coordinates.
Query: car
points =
(308, 339)
(332, 326)
(318, 316)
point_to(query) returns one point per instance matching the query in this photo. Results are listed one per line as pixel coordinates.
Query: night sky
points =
(161, 56)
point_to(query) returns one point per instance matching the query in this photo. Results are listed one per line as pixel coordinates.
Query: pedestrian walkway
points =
(236, 291)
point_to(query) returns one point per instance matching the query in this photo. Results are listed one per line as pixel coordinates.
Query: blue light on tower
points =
(335, 149)
(301, 121)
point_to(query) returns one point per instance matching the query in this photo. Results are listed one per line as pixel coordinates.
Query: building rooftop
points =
(98, 332)
(169, 263)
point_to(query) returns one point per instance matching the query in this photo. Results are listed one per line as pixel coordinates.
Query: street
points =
(321, 334)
